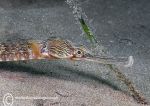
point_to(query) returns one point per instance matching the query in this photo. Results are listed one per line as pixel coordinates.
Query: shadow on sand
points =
(13, 67)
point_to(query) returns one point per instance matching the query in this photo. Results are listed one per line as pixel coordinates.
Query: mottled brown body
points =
(19, 51)
(13, 52)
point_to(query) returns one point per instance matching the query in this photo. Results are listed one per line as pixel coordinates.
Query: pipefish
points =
(54, 48)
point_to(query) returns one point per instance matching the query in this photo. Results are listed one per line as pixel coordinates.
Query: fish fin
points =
(35, 49)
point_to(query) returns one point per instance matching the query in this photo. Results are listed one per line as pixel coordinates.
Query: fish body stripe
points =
(60, 48)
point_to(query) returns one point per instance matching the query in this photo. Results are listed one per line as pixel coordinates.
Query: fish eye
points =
(79, 53)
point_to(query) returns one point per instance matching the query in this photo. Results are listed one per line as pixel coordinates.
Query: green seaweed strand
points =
(87, 31)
